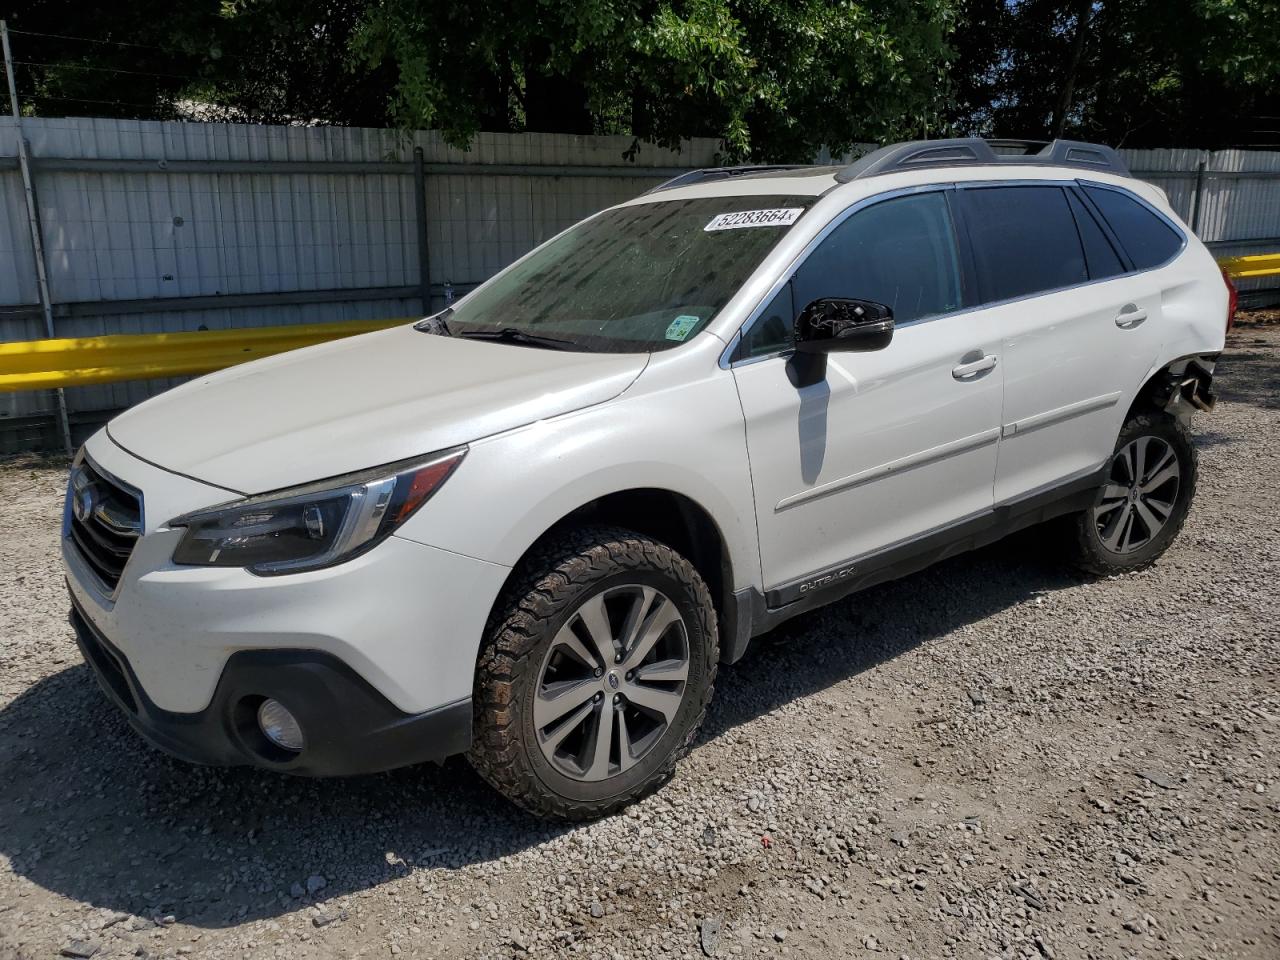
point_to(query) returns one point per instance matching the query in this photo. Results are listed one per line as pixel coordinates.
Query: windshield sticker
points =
(680, 327)
(778, 217)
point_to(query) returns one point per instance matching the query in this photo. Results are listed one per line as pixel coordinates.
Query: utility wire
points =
(114, 43)
(109, 103)
(135, 73)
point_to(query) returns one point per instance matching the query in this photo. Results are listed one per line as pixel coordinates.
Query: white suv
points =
(530, 527)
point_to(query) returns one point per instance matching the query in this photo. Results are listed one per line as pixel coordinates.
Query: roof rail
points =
(720, 173)
(973, 151)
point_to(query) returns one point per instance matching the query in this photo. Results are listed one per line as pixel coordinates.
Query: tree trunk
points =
(1084, 9)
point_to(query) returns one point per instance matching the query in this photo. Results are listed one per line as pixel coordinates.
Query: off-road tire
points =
(543, 593)
(1087, 551)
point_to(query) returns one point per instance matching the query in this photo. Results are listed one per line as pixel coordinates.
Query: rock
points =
(1161, 780)
(1136, 925)
(81, 949)
(709, 935)
(899, 837)
(1027, 894)
(297, 891)
(780, 935)
(597, 910)
(977, 697)
(323, 919)
(754, 804)
(316, 883)
(871, 943)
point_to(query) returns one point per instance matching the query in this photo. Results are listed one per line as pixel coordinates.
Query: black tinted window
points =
(772, 330)
(1147, 239)
(899, 252)
(1024, 240)
(1099, 255)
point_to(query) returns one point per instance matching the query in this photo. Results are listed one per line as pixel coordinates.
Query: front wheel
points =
(595, 674)
(1143, 504)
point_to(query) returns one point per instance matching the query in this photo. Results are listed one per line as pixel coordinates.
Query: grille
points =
(102, 659)
(105, 522)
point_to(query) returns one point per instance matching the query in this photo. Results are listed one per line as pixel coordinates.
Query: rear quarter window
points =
(1024, 240)
(1147, 239)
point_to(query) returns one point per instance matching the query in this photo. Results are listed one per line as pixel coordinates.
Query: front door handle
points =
(1130, 316)
(968, 371)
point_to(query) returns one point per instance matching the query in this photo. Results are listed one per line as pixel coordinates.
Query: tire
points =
(581, 594)
(1099, 541)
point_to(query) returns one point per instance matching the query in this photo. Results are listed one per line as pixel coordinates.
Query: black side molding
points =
(825, 586)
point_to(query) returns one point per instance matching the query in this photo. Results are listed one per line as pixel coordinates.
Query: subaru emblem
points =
(84, 502)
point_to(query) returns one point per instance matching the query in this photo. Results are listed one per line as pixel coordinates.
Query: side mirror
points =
(831, 324)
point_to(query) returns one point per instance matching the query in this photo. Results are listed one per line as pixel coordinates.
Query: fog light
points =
(280, 726)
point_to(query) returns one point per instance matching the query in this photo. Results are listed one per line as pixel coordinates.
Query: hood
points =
(360, 402)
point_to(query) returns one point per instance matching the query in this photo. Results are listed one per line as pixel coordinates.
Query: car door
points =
(891, 445)
(1076, 329)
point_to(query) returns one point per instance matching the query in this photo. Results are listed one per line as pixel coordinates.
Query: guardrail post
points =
(33, 218)
(420, 214)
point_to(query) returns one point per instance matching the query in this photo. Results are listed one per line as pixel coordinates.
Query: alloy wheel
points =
(612, 682)
(1140, 495)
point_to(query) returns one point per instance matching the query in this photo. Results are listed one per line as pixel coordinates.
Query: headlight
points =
(312, 526)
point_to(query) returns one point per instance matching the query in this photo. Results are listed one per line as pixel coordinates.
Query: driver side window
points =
(900, 252)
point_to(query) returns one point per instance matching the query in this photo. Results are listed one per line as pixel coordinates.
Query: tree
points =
(774, 79)
(273, 61)
(1129, 72)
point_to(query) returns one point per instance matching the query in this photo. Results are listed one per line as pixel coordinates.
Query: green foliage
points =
(1193, 73)
(774, 80)
(269, 61)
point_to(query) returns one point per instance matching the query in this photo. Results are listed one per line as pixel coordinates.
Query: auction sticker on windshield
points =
(680, 326)
(777, 217)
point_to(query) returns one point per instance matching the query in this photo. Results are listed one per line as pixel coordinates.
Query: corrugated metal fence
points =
(162, 227)
(1231, 198)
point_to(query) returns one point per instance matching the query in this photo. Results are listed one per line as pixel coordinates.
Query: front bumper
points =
(348, 727)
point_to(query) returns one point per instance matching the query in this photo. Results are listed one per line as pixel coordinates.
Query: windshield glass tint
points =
(638, 278)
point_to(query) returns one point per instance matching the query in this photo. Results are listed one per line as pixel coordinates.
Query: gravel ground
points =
(991, 758)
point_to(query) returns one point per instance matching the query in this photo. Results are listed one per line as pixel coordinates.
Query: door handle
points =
(1130, 316)
(968, 371)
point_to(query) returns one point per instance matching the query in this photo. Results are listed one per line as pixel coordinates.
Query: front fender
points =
(511, 488)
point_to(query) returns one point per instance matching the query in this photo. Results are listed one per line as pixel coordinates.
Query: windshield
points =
(639, 278)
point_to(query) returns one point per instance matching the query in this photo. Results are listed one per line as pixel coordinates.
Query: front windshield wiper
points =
(512, 335)
(435, 323)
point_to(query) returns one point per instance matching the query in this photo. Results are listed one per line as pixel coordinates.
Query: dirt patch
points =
(991, 758)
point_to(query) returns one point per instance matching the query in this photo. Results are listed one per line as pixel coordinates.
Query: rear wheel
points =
(1141, 508)
(595, 675)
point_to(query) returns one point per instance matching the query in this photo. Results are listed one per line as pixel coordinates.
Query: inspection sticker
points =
(679, 327)
(778, 217)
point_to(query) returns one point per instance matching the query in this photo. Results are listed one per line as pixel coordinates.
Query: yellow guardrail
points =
(81, 361)
(1263, 265)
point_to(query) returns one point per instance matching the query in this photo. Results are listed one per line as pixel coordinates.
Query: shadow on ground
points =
(90, 812)
(1247, 375)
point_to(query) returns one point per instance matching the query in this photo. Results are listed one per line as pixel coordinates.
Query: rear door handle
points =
(968, 371)
(1130, 316)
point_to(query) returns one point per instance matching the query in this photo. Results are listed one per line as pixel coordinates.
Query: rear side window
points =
(899, 252)
(1024, 240)
(1100, 256)
(1146, 238)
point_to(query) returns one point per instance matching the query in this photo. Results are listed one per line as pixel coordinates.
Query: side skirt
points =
(765, 611)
